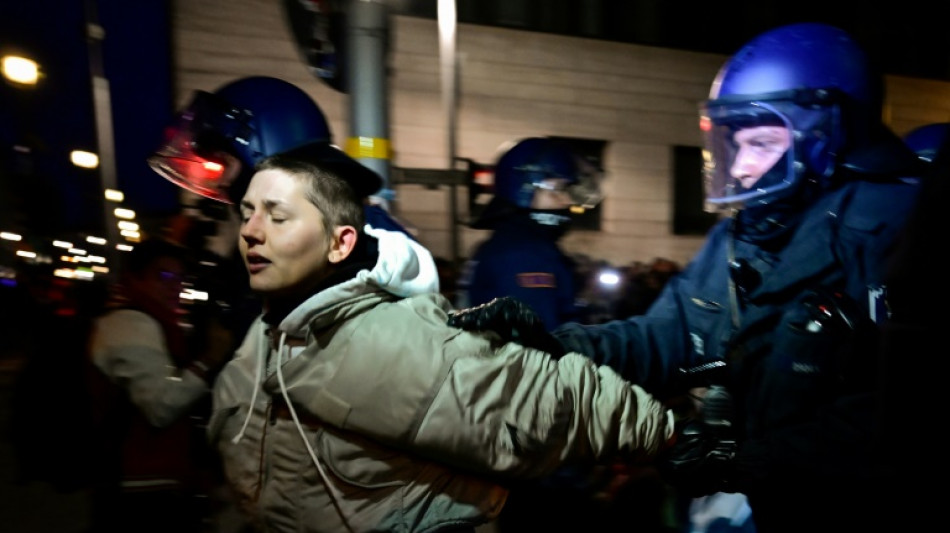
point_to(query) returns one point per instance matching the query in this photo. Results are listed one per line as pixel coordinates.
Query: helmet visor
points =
(584, 193)
(749, 154)
(587, 193)
(198, 153)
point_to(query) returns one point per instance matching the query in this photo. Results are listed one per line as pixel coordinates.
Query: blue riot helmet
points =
(782, 112)
(926, 141)
(534, 163)
(212, 145)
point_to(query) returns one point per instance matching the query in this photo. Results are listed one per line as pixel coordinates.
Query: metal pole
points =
(448, 62)
(447, 25)
(367, 34)
(102, 103)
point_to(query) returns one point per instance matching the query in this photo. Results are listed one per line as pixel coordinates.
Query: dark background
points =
(908, 38)
(41, 190)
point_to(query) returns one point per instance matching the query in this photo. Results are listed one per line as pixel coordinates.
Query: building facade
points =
(641, 101)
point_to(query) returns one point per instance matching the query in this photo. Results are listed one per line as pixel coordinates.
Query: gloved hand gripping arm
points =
(512, 320)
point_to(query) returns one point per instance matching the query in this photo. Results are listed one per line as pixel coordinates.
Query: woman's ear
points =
(343, 243)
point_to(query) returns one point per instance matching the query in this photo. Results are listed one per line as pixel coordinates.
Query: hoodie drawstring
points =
(258, 374)
(334, 493)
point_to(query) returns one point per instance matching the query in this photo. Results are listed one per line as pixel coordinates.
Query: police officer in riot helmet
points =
(212, 145)
(536, 182)
(785, 299)
(926, 140)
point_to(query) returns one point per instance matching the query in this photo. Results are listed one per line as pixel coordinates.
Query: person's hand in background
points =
(219, 347)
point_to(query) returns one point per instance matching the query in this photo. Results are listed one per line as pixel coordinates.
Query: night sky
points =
(42, 189)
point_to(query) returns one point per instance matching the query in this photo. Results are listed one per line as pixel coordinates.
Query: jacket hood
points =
(403, 268)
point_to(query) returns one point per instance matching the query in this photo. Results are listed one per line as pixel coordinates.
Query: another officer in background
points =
(926, 140)
(148, 394)
(537, 181)
(787, 295)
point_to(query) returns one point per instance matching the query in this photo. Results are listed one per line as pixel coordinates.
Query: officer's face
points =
(757, 151)
(551, 194)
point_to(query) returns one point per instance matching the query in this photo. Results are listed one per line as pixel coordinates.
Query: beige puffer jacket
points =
(374, 415)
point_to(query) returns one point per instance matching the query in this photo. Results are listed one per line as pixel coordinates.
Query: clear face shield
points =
(199, 150)
(748, 157)
(587, 192)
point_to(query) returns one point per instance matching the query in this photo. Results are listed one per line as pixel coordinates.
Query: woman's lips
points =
(254, 268)
(256, 263)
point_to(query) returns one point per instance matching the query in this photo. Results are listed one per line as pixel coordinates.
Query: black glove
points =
(702, 460)
(512, 319)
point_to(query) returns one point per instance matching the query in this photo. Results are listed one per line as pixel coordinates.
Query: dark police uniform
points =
(522, 259)
(796, 317)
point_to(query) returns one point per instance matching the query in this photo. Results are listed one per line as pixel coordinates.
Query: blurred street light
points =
(609, 278)
(20, 70)
(84, 159)
(128, 226)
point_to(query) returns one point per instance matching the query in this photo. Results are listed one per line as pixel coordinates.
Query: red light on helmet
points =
(209, 175)
(208, 178)
(212, 167)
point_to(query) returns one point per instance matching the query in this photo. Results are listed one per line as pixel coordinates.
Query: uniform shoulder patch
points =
(536, 280)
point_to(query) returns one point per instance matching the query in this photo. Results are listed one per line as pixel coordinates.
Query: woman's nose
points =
(251, 230)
